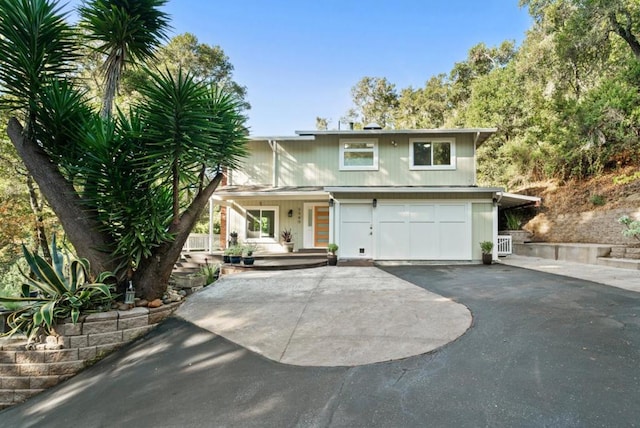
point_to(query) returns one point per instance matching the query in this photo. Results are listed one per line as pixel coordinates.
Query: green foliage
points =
(626, 179)
(632, 227)
(597, 200)
(235, 250)
(486, 246)
(123, 32)
(11, 277)
(375, 99)
(37, 47)
(332, 248)
(56, 291)
(209, 271)
(514, 221)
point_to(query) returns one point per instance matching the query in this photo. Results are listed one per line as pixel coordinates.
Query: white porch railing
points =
(504, 245)
(198, 242)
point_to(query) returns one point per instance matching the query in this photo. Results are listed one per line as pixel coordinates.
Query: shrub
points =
(513, 221)
(210, 272)
(632, 227)
(487, 247)
(53, 292)
(597, 200)
(332, 248)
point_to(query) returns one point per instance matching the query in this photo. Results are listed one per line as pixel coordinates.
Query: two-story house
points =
(378, 194)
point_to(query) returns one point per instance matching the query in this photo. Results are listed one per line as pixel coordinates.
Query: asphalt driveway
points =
(543, 350)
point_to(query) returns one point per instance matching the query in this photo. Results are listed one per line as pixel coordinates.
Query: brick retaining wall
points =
(24, 373)
(598, 227)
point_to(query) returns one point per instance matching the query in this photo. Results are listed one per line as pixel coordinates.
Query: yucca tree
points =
(155, 170)
(128, 188)
(37, 52)
(125, 32)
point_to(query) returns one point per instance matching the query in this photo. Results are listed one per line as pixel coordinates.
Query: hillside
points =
(586, 210)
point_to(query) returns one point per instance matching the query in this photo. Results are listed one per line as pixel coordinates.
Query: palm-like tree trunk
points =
(79, 225)
(152, 276)
(114, 66)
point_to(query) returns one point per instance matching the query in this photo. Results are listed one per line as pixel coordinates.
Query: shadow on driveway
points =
(544, 350)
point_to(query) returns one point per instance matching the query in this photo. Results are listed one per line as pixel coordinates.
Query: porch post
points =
(494, 256)
(211, 225)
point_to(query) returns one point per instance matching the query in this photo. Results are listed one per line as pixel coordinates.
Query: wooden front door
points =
(320, 226)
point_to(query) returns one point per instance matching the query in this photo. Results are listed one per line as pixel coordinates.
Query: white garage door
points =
(356, 231)
(423, 231)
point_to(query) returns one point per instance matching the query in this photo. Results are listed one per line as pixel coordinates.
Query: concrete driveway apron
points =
(327, 316)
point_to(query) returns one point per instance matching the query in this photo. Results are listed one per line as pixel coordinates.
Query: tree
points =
(423, 107)
(204, 62)
(127, 189)
(375, 100)
(322, 123)
(125, 31)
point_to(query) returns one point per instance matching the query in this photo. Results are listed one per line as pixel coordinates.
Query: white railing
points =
(504, 245)
(197, 242)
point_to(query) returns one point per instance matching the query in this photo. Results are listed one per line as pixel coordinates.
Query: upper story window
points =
(359, 154)
(432, 153)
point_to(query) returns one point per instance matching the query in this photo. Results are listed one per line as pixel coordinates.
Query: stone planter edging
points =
(24, 373)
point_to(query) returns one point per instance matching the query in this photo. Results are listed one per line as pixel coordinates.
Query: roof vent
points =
(372, 125)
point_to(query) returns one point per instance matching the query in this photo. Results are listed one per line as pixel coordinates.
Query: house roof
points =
(480, 134)
(504, 199)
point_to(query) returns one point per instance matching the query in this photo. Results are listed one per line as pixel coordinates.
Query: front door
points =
(316, 225)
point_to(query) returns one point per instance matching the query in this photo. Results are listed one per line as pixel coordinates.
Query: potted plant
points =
(234, 239)
(236, 253)
(287, 240)
(226, 257)
(331, 254)
(248, 258)
(487, 252)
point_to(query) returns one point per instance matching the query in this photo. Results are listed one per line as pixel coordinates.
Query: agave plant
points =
(56, 291)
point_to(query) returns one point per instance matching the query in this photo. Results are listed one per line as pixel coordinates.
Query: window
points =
(358, 155)
(261, 223)
(432, 154)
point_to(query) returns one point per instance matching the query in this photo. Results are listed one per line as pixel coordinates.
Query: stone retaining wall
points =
(598, 227)
(24, 373)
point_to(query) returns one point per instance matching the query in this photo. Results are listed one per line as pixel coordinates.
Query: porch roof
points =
(508, 200)
(412, 189)
(284, 192)
(504, 199)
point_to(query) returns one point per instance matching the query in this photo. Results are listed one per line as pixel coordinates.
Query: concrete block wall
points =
(597, 226)
(24, 373)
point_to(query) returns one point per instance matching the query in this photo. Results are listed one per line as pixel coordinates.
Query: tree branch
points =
(626, 33)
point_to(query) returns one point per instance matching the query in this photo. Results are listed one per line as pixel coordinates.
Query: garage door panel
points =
(452, 213)
(454, 241)
(392, 241)
(392, 213)
(423, 231)
(358, 213)
(424, 241)
(423, 213)
(355, 230)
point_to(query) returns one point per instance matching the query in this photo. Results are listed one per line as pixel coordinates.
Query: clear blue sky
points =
(300, 58)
